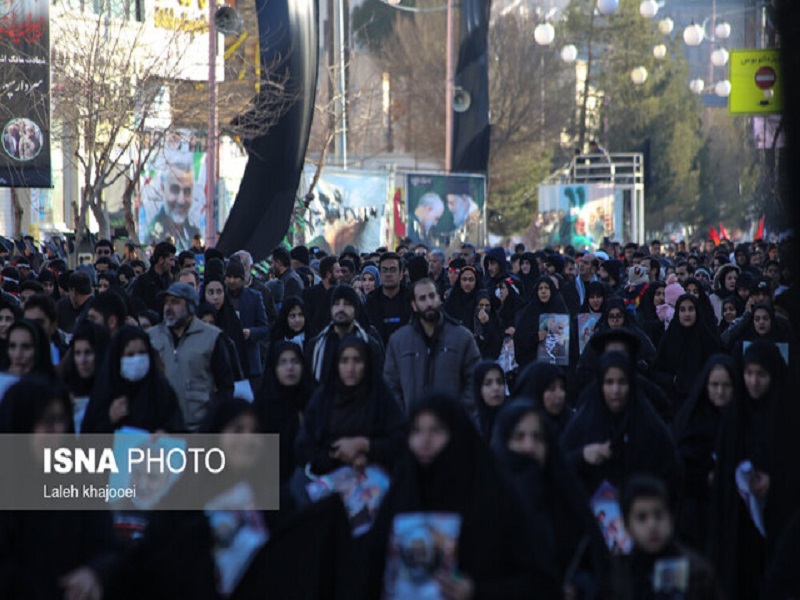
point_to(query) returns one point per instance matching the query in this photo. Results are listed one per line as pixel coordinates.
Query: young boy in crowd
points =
(658, 567)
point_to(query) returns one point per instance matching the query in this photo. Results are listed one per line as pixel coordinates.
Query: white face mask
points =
(134, 368)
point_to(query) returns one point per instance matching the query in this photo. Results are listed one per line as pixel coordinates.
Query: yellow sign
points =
(756, 85)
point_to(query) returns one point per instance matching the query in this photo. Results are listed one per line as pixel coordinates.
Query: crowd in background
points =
(508, 388)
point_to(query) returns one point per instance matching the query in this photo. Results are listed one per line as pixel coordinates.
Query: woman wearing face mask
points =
(687, 344)
(283, 398)
(616, 433)
(756, 451)
(490, 394)
(50, 554)
(546, 299)
(446, 468)
(131, 390)
(546, 386)
(352, 419)
(696, 431)
(460, 304)
(556, 508)
(83, 361)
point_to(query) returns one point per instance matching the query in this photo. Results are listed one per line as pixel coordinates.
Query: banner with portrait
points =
(446, 211)
(348, 208)
(172, 196)
(578, 215)
(25, 94)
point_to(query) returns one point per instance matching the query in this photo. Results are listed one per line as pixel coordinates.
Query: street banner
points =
(756, 85)
(578, 215)
(348, 208)
(446, 210)
(25, 94)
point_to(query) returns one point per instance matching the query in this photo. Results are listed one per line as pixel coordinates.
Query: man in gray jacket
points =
(432, 352)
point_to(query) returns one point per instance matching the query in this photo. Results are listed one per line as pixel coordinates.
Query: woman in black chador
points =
(545, 300)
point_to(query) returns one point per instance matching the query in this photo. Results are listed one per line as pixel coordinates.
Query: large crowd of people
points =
(553, 423)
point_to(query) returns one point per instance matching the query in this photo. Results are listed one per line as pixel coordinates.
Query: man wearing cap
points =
(195, 360)
(253, 317)
(322, 349)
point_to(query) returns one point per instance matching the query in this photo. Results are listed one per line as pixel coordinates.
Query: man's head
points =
(177, 186)
(436, 259)
(108, 310)
(772, 271)
(247, 260)
(587, 266)
(300, 257)
(103, 249)
(344, 303)
(163, 258)
(234, 276)
(28, 289)
(683, 270)
(429, 210)
(391, 268)
(138, 267)
(347, 269)
(180, 303)
(42, 309)
(330, 271)
(103, 265)
(425, 300)
(761, 291)
(459, 201)
(186, 260)
(281, 260)
(468, 253)
(655, 248)
(197, 242)
(646, 509)
(79, 288)
(190, 277)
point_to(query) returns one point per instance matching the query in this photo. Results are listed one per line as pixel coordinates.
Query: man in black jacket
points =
(158, 278)
(388, 307)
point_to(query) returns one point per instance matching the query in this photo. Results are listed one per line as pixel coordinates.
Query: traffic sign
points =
(756, 86)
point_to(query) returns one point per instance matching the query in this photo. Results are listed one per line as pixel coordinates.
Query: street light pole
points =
(211, 150)
(449, 88)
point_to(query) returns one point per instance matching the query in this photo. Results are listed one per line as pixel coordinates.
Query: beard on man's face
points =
(430, 315)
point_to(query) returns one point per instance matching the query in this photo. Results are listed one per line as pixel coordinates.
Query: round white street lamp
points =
(607, 7)
(723, 30)
(569, 53)
(697, 86)
(693, 35)
(544, 34)
(723, 88)
(639, 75)
(719, 57)
(648, 9)
(665, 26)
(660, 51)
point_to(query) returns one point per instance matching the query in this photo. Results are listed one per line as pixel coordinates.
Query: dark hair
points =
(183, 256)
(137, 263)
(162, 250)
(326, 265)
(32, 284)
(643, 486)
(80, 282)
(42, 361)
(109, 304)
(391, 256)
(126, 270)
(104, 243)
(7, 303)
(281, 255)
(419, 282)
(45, 303)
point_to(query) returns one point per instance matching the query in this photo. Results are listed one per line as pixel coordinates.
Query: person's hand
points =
(246, 333)
(81, 584)
(510, 331)
(597, 454)
(542, 335)
(118, 409)
(482, 316)
(759, 484)
(748, 307)
(455, 586)
(347, 450)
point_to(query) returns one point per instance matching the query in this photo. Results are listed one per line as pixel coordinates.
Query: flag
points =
(399, 222)
(713, 235)
(723, 232)
(760, 231)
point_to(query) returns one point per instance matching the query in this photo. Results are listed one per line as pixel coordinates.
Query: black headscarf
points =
(152, 403)
(534, 381)
(486, 414)
(335, 410)
(97, 337)
(493, 549)
(509, 309)
(707, 309)
(640, 443)
(281, 330)
(27, 400)
(529, 280)
(221, 414)
(556, 507)
(460, 305)
(42, 360)
(594, 288)
(526, 338)
(683, 351)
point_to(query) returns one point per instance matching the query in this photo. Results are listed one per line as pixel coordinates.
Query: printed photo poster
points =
(573, 215)
(361, 493)
(172, 199)
(349, 208)
(446, 210)
(420, 545)
(554, 349)
(606, 509)
(586, 326)
(25, 94)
